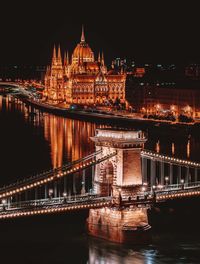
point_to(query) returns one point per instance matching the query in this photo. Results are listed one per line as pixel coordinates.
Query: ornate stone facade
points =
(82, 80)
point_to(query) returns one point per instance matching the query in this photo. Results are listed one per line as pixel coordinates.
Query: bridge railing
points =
(149, 192)
(179, 186)
(48, 201)
(52, 203)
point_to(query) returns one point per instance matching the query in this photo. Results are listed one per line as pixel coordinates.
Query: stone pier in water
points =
(119, 176)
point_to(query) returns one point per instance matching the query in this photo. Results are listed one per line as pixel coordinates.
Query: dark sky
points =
(147, 31)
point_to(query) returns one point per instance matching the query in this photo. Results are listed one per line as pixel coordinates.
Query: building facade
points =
(154, 98)
(81, 79)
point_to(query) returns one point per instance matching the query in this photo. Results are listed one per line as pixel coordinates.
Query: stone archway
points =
(107, 173)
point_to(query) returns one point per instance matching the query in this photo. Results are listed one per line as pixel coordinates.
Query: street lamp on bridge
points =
(4, 202)
(50, 193)
(65, 197)
(182, 183)
(143, 188)
(166, 180)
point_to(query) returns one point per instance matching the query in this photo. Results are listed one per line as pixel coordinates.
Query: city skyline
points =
(100, 123)
(145, 32)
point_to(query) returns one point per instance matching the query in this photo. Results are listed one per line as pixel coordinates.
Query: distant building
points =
(82, 79)
(139, 72)
(192, 71)
(163, 97)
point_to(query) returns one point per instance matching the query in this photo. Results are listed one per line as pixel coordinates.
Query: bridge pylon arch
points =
(124, 167)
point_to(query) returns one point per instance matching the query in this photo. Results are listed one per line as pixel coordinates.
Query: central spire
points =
(82, 35)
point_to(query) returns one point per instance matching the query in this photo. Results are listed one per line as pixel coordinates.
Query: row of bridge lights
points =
(191, 193)
(159, 186)
(51, 194)
(18, 190)
(171, 159)
(54, 210)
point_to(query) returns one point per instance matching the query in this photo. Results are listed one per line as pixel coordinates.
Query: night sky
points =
(146, 31)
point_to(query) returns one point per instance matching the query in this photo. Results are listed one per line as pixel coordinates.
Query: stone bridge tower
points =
(121, 173)
(119, 176)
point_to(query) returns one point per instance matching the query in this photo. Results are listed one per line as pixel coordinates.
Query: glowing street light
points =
(65, 197)
(166, 180)
(4, 202)
(182, 183)
(143, 188)
(50, 193)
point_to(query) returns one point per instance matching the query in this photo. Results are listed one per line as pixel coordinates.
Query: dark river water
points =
(32, 143)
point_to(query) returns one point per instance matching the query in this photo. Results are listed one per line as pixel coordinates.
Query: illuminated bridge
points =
(116, 184)
(94, 181)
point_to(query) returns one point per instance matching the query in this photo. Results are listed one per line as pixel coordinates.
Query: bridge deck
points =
(55, 205)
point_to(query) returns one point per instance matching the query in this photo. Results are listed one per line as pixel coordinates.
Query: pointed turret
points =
(82, 35)
(54, 58)
(67, 58)
(59, 56)
(102, 59)
(99, 58)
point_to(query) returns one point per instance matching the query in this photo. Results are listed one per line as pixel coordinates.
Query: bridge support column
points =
(144, 169)
(83, 183)
(55, 189)
(119, 176)
(162, 173)
(195, 175)
(187, 175)
(93, 175)
(74, 184)
(153, 172)
(65, 185)
(120, 225)
(170, 173)
(36, 193)
(179, 175)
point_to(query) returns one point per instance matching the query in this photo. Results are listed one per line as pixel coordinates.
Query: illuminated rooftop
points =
(118, 135)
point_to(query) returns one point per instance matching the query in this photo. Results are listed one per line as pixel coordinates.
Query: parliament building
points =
(82, 79)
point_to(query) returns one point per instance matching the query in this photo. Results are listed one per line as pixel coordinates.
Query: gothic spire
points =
(59, 55)
(102, 59)
(82, 35)
(67, 58)
(54, 58)
(99, 58)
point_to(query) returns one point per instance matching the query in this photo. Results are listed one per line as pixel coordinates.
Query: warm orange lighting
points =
(83, 80)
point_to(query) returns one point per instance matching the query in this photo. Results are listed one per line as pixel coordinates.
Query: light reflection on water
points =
(50, 140)
(70, 139)
(168, 249)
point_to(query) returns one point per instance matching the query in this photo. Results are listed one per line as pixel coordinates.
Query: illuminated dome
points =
(82, 52)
